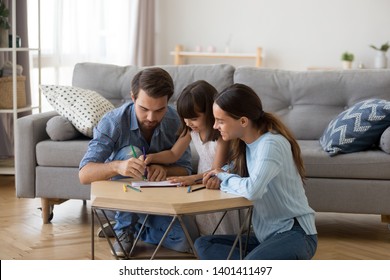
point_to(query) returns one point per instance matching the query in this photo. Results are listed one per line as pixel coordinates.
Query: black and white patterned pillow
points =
(357, 128)
(82, 107)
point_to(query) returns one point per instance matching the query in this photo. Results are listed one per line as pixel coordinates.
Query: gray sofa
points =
(306, 101)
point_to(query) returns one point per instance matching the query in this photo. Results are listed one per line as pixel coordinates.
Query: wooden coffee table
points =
(164, 201)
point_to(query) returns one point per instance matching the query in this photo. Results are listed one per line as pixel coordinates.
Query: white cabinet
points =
(5, 167)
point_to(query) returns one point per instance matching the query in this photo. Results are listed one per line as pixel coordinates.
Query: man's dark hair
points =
(156, 82)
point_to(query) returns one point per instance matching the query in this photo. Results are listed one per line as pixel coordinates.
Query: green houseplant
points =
(383, 48)
(4, 25)
(347, 59)
(380, 58)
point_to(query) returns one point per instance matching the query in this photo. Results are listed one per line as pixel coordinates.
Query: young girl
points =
(266, 168)
(195, 108)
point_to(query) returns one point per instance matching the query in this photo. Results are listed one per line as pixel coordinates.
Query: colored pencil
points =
(134, 153)
(146, 171)
(133, 188)
(201, 188)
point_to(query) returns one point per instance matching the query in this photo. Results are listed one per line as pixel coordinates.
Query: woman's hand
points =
(210, 180)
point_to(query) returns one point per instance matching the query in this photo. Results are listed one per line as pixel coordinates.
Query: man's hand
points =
(156, 173)
(132, 167)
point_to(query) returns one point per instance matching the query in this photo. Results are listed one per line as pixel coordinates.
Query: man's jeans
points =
(155, 226)
(294, 244)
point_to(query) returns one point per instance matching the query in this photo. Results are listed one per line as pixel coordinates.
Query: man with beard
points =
(146, 123)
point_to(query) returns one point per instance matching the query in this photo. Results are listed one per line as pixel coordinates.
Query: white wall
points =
(294, 34)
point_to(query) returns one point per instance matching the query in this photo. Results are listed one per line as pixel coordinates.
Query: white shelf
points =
(180, 55)
(18, 49)
(8, 168)
(215, 54)
(19, 110)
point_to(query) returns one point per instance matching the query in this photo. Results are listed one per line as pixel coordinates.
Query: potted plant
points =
(4, 25)
(347, 59)
(380, 58)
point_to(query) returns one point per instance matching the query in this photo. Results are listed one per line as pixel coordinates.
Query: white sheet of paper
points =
(154, 184)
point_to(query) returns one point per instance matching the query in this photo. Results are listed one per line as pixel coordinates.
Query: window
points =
(75, 31)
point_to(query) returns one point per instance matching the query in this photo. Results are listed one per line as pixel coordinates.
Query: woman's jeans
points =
(294, 244)
(155, 226)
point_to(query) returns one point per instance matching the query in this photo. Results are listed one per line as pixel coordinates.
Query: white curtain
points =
(143, 33)
(106, 31)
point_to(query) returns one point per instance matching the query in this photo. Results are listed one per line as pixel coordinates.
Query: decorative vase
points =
(3, 38)
(346, 64)
(380, 60)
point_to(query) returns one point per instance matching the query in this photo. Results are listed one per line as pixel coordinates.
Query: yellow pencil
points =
(124, 188)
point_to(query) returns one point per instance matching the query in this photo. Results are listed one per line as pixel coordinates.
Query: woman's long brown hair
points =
(238, 101)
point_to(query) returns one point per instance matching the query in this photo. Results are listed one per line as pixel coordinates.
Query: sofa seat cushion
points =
(371, 164)
(64, 153)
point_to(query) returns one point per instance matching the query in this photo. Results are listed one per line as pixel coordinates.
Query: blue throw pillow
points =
(358, 128)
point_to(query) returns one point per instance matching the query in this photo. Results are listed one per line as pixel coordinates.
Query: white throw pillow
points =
(384, 142)
(82, 107)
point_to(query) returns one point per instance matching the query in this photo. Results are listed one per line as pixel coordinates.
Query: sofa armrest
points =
(29, 131)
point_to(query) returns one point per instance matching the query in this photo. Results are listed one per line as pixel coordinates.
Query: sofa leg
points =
(385, 219)
(48, 206)
(45, 210)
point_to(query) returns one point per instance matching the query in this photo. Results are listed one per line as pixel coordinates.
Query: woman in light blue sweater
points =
(265, 167)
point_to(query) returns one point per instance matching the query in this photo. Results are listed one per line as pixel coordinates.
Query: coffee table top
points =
(164, 200)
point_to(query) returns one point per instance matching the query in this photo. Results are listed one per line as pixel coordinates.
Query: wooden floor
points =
(68, 237)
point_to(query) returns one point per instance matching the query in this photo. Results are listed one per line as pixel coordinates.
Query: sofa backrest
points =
(111, 81)
(114, 82)
(218, 75)
(307, 101)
